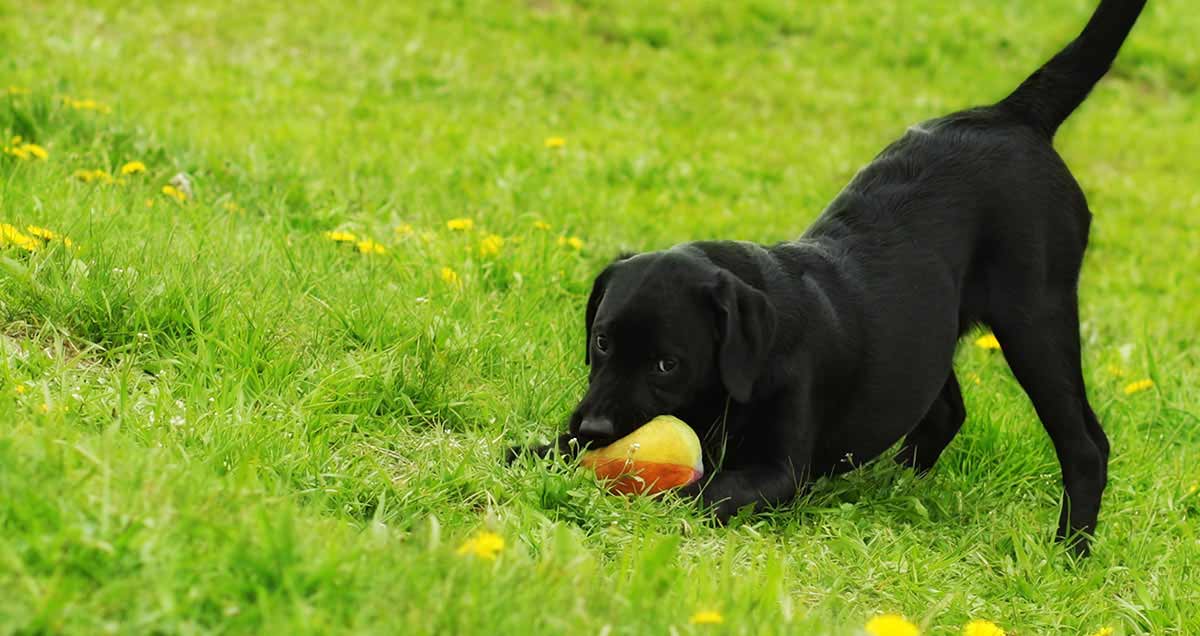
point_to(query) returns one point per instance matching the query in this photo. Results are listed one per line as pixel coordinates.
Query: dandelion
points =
(43, 233)
(555, 142)
(338, 236)
(891, 625)
(20, 389)
(367, 246)
(988, 342)
(982, 628)
(133, 167)
(490, 245)
(1138, 387)
(541, 225)
(404, 229)
(707, 617)
(92, 176)
(45, 408)
(174, 193)
(25, 151)
(10, 235)
(460, 225)
(50, 235)
(183, 183)
(18, 90)
(450, 276)
(485, 545)
(86, 104)
(1104, 631)
(1115, 371)
(573, 242)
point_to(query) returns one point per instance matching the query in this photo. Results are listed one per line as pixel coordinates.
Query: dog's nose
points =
(600, 427)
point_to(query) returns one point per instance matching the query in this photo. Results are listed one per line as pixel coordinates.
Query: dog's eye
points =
(601, 343)
(666, 365)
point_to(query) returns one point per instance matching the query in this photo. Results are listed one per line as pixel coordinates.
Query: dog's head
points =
(665, 332)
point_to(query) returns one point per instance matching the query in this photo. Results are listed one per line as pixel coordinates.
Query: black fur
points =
(810, 357)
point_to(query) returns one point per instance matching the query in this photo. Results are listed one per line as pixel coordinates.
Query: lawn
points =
(215, 417)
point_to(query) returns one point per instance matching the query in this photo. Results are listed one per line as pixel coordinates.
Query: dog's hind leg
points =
(1040, 340)
(925, 443)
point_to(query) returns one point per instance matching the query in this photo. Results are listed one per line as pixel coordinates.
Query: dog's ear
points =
(593, 304)
(746, 327)
(594, 299)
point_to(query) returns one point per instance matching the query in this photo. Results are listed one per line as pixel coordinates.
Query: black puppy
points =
(811, 357)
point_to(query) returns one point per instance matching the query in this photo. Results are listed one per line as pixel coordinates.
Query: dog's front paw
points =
(720, 506)
(690, 491)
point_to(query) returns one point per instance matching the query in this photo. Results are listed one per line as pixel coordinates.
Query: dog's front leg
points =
(731, 490)
(774, 467)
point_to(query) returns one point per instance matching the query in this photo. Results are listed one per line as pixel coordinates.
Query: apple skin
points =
(660, 455)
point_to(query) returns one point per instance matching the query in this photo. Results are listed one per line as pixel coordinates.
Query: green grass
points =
(213, 419)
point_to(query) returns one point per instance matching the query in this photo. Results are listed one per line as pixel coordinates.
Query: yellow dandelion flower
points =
(707, 617)
(573, 242)
(36, 151)
(1139, 386)
(86, 104)
(555, 142)
(18, 90)
(20, 389)
(541, 225)
(340, 237)
(133, 167)
(485, 545)
(982, 628)
(450, 276)
(174, 193)
(460, 225)
(91, 176)
(25, 151)
(1115, 371)
(490, 245)
(987, 341)
(1104, 631)
(404, 229)
(43, 233)
(10, 235)
(891, 625)
(367, 246)
(45, 408)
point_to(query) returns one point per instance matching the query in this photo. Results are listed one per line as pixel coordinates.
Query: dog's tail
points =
(1049, 96)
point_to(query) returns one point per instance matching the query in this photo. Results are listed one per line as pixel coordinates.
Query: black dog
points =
(816, 355)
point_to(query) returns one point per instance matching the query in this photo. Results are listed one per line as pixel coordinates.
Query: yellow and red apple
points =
(662, 454)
